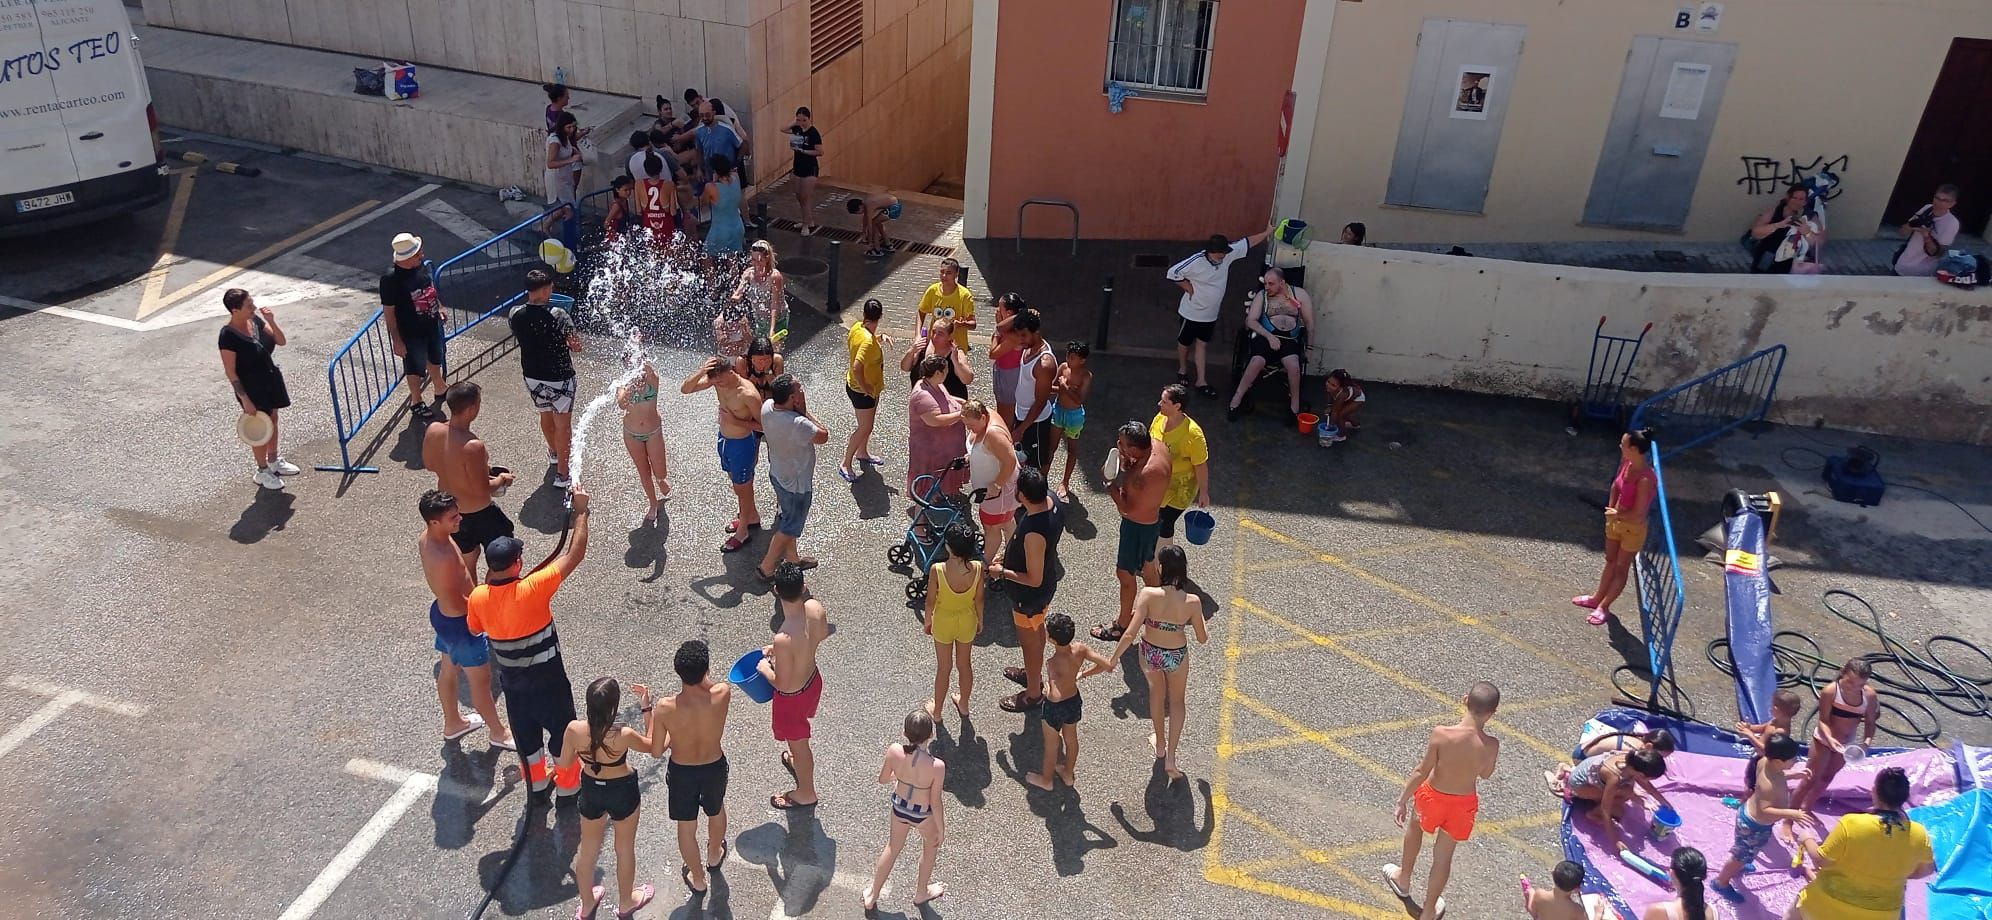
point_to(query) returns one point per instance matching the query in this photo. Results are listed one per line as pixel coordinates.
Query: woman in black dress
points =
(247, 342)
(807, 142)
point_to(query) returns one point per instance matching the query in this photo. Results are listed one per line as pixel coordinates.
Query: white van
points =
(78, 137)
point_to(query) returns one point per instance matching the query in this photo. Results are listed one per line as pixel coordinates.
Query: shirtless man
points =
(462, 467)
(688, 726)
(1137, 493)
(739, 446)
(463, 653)
(1446, 786)
(789, 664)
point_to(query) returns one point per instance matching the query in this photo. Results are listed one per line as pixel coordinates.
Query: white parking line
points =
(413, 787)
(60, 701)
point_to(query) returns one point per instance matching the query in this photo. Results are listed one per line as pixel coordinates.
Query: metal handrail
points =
(1054, 203)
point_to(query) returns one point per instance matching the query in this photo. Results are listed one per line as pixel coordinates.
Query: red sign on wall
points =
(1286, 123)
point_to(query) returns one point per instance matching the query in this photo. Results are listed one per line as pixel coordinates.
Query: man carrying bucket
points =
(789, 664)
(1189, 457)
(513, 608)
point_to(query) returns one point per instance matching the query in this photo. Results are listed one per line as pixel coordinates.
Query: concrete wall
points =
(893, 111)
(1894, 355)
(1162, 168)
(471, 127)
(1813, 78)
(633, 47)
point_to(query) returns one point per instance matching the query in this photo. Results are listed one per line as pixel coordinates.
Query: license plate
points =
(45, 201)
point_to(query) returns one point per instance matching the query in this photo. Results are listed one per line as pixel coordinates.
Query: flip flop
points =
(734, 544)
(874, 461)
(1728, 892)
(1390, 878)
(685, 873)
(589, 913)
(1585, 601)
(725, 847)
(777, 800)
(922, 902)
(788, 762)
(846, 475)
(471, 723)
(1017, 703)
(1108, 632)
(806, 563)
(509, 744)
(1017, 675)
(644, 893)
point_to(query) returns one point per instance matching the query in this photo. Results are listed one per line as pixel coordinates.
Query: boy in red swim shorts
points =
(1446, 790)
(789, 664)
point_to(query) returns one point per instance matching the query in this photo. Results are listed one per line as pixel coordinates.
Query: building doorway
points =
(1954, 141)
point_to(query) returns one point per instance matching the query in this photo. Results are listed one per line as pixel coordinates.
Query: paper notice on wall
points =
(1685, 88)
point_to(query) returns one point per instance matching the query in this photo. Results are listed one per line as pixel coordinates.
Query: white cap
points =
(406, 246)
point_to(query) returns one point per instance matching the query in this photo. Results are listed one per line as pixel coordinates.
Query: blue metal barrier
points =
(1714, 403)
(474, 285)
(1662, 598)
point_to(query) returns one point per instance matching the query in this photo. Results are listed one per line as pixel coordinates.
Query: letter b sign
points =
(1684, 19)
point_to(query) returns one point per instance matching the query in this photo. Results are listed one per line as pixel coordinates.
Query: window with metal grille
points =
(1162, 45)
(835, 26)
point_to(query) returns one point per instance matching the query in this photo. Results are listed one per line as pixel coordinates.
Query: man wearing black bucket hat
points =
(1202, 278)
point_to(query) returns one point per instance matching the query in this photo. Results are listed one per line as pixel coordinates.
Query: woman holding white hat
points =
(247, 343)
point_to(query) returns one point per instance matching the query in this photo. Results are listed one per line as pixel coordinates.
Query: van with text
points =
(78, 138)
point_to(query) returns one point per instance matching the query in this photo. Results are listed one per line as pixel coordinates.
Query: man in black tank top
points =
(1032, 582)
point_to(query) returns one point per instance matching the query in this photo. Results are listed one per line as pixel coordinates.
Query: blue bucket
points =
(1198, 525)
(746, 675)
(1665, 822)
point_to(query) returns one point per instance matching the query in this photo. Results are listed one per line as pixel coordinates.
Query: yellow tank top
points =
(949, 602)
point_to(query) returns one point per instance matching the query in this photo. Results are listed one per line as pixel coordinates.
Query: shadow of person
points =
(647, 549)
(967, 756)
(800, 860)
(873, 496)
(453, 808)
(407, 449)
(1209, 602)
(1630, 646)
(715, 904)
(545, 509)
(269, 511)
(541, 876)
(1072, 835)
(1079, 522)
(1172, 807)
(1134, 703)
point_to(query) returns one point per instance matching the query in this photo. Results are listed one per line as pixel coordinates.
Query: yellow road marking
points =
(1226, 718)
(154, 305)
(1377, 728)
(176, 217)
(1393, 675)
(1548, 656)
(1236, 879)
(1503, 829)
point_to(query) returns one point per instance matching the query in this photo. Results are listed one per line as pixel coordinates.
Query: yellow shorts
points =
(954, 628)
(1626, 534)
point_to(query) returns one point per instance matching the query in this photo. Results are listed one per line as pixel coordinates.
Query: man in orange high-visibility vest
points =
(514, 610)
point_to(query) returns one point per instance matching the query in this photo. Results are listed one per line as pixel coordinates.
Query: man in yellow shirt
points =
(946, 298)
(1189, 455)
(864, 380)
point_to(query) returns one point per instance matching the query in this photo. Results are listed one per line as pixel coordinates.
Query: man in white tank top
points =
(1031, 429)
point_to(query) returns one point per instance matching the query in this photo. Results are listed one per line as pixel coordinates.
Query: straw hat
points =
(255, 428)
(406, 246)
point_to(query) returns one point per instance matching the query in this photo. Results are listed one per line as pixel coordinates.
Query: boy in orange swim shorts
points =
(1445, 788)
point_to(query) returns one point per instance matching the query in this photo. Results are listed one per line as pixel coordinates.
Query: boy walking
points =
(1769, 803)
(1446, 787)
(1068, 411)
(1061, 709)
(689, 726)
(789, 664)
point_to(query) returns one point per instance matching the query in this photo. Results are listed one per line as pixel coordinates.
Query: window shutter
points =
(835, 26)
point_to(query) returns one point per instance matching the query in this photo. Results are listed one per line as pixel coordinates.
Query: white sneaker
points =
(552, 459)
(562, 482)
(269, 480)
(283, 467)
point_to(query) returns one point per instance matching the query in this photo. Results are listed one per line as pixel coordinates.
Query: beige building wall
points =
(633, 47)
(893, 111)
(1813, 78)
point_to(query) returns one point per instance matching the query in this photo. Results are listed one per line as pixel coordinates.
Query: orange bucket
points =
(1307, 422)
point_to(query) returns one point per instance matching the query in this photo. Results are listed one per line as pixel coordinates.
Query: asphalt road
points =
(227, 690)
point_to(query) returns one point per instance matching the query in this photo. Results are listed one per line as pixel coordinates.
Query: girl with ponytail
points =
(1864, 867)
(608, 793)
(917, 777)
(1690, 869)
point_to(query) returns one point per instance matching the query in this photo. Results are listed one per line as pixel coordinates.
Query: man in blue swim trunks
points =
(463, 653)
(739, 440)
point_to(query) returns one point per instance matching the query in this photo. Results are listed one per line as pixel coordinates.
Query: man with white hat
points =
(414, 315)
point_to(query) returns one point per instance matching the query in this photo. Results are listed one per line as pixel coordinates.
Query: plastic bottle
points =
(560, 76)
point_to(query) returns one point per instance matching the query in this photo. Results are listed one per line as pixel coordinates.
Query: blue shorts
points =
(737, 456)
(1750, 837)
(893, 211)
(791, 509)
(453, 638)
(1068, 421)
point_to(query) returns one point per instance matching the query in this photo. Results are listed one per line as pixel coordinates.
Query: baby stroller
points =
(934, 513)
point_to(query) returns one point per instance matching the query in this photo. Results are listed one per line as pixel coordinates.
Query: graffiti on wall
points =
(1770, 175)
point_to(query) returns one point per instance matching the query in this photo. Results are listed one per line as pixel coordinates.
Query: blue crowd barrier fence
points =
(1662, 597)
(474, 286)
(1715, 403)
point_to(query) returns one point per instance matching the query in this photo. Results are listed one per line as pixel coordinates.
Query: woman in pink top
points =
(1625, 523)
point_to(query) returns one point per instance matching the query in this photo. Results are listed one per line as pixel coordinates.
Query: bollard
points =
(831, 301)
(1106, 314)
(761, 219)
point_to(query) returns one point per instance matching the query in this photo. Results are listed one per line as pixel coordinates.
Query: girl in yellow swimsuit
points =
(954, 616)
(643, 434)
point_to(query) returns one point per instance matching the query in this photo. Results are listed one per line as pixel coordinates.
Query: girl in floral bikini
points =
(1160, 614)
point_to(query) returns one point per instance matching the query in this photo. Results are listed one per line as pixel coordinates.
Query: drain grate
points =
(851, 236)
